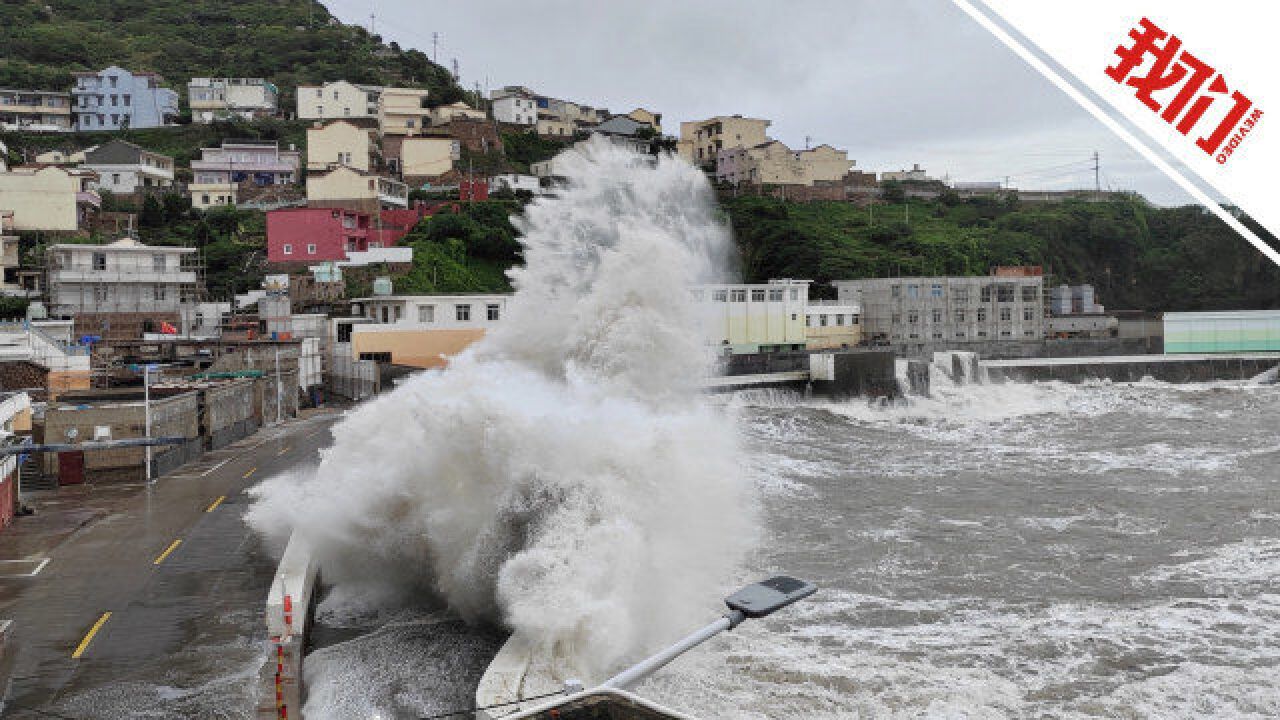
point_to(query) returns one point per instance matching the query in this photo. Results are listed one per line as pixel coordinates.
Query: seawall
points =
(290, 604)
(1132, 368)
(868, 373)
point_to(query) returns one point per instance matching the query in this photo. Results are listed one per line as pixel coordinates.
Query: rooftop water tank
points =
(382, 286)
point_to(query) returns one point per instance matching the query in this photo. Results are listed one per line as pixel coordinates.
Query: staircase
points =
(32, 478)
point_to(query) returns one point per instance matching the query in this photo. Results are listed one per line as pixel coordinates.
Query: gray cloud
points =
(893, 82)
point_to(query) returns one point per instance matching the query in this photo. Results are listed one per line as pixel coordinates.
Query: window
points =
(408, 123)
(986, 293)
(775, 295)
(982, 314)
(426, 313)
(1028, 314)
(462, 313)
(382, 357)
(937, 336)
(937, 315)
(115, 101)
(204, 199)
(959, 316)
(897, 318)
(344, 332)
(795, 295)
(158, 292)
(913, 317)
(319, 92)
(494, 312)
(739, 295)
(126, 100)
(720, 295)
(822, 320)
(935, 290)
(1005, 333)
(1028, 293)
(158, 262)
(319, 110)
(1004, 292)
(115, 178)
(99, 261)
(959, 333)
(757, 296)
(100, 294)
(913, 291)
(311, 248)
(1006, 314)
(287, 249)
(808, 321)
(346, 111)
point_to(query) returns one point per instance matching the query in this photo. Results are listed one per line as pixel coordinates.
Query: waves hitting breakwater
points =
(562, 476)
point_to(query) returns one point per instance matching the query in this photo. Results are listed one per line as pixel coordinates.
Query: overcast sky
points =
(893, 82)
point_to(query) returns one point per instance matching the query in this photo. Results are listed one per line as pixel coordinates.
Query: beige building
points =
(422, 157)
(831, 326)
(339, 99)
(350, 188)
(446, 113)
(60, 157)
(48, 198)
(700, 141)
(35, 110)
(339, 143)
(652, 119)
(403, 111)
(552, 126)
(423, 330)
(773, 163)
(222, 98)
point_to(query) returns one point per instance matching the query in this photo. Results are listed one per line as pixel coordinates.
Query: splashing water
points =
(563, 475)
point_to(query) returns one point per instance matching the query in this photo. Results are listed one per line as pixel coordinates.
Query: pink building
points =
(311, 235)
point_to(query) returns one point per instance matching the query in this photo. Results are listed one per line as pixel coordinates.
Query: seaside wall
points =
(866, 373)
(1165, 368)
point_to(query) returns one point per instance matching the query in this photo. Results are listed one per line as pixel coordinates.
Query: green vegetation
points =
(289, 42)
(1136, 255)
(465, 251)
(526, 148)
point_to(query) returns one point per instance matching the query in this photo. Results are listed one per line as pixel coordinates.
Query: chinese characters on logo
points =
(1172, 67)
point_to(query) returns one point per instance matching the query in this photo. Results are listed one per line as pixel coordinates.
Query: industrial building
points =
(754, 318)
(917, 315)
(831, 326)
(1222, 332)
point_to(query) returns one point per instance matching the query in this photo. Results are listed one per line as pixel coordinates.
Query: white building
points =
(422, 330)
(122, 277)
(751, 318)
(514, 106)
(123, 167)
(224, 98)
(339, 99)
(514, 182)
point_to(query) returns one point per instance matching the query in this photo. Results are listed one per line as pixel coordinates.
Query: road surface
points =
(128, 601)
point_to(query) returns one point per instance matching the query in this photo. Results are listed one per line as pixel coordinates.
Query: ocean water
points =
(1039, 550)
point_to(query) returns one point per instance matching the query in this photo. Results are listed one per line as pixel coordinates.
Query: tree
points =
(152, 214)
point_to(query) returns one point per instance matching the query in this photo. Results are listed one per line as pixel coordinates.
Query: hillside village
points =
(330, 236)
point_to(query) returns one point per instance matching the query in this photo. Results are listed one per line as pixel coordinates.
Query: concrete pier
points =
(1132, 368)
(868, 373)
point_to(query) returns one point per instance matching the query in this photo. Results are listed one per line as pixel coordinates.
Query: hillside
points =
(286, 41)
(1137, 256)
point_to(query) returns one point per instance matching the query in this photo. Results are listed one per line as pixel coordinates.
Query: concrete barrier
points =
(8, 654)
(522, 670)
(290, 604)
(1166, 368)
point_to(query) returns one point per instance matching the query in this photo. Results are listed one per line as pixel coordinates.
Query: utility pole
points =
(1097, 183)
(435, 46)
(279, 391)
(146, 414)
(372, 19)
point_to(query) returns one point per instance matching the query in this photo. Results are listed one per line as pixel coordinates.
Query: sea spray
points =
(564, 475)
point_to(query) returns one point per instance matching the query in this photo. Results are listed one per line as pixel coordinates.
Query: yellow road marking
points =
(172, 546)
(84, 644)
(251, 471)
(283, 450)
(215, 504)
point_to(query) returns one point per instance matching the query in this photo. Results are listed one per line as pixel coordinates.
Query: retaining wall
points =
(866, 373)
(228, 413)
(173, 416)
(1166, 368)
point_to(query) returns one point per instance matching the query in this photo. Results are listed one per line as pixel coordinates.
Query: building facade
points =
(514, 106)
(48, 198)
(445, 114)
(225, 98)
(773, 163)
(1231, 331)
(829, 326)
(339, 99)
(355, 190)
(754, 318)
(427, 157)
(35, 111)
(122, 289)
(218, 173)
(339, 143)
(422, 330)
(914, 313)
(700, 141)
(114, 98)
(403, 111)
(313, 235)
(123, 167)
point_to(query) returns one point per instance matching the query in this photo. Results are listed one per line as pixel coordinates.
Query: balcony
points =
(393, 192)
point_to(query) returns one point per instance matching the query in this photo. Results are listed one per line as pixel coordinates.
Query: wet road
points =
(151, 601)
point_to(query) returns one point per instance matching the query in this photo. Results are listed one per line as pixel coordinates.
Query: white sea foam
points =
(562, 476)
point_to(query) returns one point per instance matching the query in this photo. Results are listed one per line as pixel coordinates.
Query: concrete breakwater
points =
(866, 373)
(1133, 368)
